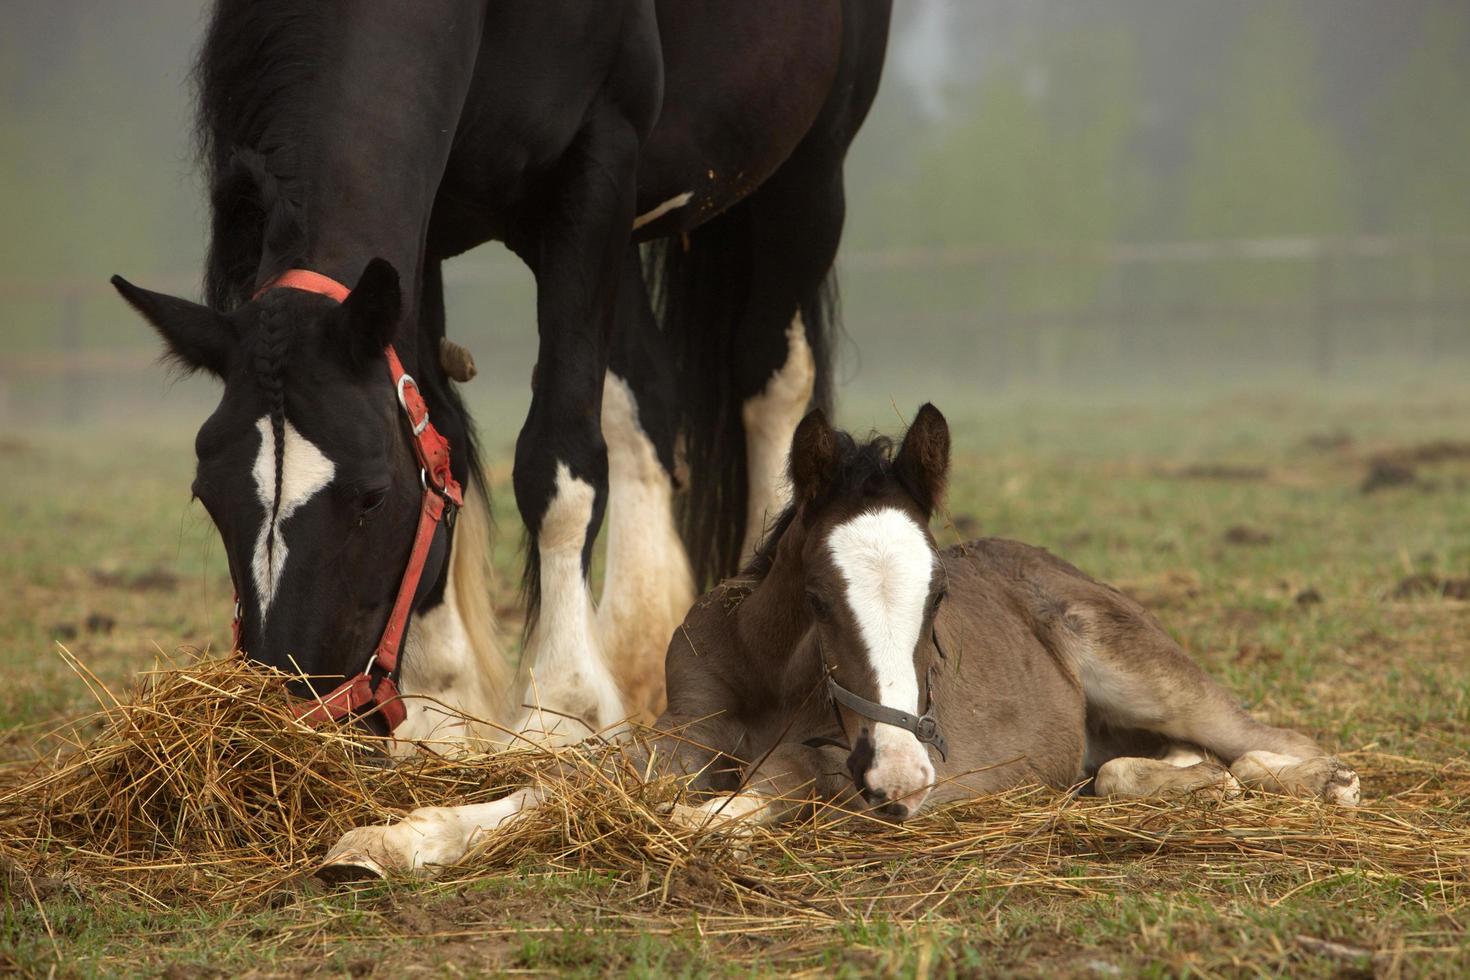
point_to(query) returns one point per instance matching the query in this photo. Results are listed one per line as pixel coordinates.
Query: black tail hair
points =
(436, 386)
(701, 284)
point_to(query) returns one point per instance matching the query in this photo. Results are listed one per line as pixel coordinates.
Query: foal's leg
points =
(1181, 772)
(647, 585)
(1136, 677)
(577, 252)
(790, 780)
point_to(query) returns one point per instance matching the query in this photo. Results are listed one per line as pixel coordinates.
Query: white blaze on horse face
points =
(887, 565)
(305, 470)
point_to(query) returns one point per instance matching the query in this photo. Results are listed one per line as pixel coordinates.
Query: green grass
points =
(98, 525)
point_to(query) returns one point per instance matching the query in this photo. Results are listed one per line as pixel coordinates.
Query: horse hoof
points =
(350, 867)
(357, 856)
(1343, 789)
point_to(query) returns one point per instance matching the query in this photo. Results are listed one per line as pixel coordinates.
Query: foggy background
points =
(1052, 199)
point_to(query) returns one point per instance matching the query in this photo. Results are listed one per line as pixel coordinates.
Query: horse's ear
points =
(372, 310)
(922, 464)
(813, 460)
(198, 338)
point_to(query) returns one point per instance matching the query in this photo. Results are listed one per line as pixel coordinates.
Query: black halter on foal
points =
(924, 727)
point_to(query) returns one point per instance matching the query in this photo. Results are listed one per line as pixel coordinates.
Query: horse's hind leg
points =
(647, 585)
(1136, 677)
(795, 226)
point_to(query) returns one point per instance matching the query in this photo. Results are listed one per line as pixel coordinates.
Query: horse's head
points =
(873, 582)
(306, 467)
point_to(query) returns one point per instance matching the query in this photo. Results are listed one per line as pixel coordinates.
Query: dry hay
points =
(201, 787)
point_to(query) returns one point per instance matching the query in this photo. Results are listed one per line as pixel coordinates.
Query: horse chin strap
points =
(374, 688)
(924, 727)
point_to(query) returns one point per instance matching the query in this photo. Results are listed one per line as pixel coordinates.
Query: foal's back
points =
(1013, 709)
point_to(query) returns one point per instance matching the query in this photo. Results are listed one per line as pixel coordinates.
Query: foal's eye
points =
(939, 597)
(817, 604)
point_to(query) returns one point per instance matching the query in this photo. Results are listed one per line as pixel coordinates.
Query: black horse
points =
(361, 145)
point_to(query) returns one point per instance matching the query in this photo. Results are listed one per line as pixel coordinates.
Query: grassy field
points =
(1241, 520)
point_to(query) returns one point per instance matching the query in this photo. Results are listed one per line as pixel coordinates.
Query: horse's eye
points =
(370, 500)
(939, 597)
(817, 604)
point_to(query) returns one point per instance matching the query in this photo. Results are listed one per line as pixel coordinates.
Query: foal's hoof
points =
(1321, 777)
(1343, 788)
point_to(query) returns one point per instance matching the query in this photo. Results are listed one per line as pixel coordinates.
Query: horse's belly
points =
(743, 84)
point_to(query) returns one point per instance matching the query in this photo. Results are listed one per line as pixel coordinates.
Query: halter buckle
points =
(421, 424)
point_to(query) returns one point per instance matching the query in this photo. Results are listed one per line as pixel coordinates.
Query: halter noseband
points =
(375, 686)
(924, 727)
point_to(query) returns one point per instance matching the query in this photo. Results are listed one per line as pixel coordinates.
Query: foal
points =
(951, 673)
(854, 663)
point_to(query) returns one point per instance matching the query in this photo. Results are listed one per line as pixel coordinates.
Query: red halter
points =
(374, 685)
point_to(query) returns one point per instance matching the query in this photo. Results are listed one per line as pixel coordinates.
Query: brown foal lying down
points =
(860, 665)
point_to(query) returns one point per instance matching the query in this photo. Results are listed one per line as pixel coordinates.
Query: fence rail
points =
(1137, 269)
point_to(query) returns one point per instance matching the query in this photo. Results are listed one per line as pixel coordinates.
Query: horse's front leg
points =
(575, 247)
(425, 840)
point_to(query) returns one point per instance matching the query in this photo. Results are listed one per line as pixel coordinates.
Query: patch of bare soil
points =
(1243, 534)
(1438, 451)
(148, 580)
(1327, 442)
(966, 525)
(1397, 467)
(1426, 584)
(1384, 473)
(1308, 597)
(1220, 471)
(1172, 590)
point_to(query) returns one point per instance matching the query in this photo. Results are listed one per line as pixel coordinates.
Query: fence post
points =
(71, 348)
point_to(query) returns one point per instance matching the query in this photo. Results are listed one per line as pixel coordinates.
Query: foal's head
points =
(873, 582)
(306, 466)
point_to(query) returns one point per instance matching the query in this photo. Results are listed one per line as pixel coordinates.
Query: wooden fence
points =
(1431, 287)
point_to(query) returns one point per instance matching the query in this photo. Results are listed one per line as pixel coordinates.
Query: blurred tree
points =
(1264, 162)
(1418, 174)
(1039, 156)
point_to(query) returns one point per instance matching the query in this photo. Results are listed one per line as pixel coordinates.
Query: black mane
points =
(863, 469)
(253, 75)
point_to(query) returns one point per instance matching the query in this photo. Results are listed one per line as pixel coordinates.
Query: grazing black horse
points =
(353, 148)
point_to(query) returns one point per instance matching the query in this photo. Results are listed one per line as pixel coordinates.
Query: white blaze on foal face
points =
(305, 471)
(887, 566)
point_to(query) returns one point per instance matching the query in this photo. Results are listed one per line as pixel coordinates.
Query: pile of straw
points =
(201, 786)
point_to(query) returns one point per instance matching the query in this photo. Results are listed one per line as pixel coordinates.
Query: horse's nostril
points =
(874, 796)
(897, 812)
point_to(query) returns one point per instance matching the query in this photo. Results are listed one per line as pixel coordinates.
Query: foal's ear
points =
(370, 313)
(922, 464)
(197, 338)
(813, 457)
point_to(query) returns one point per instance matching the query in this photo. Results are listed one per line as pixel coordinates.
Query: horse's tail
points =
(702, 284)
